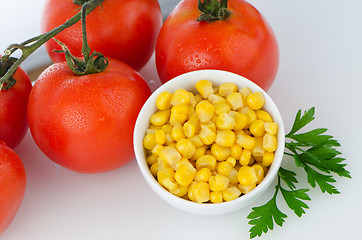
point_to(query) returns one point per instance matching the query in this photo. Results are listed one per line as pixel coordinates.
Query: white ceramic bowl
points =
(187, 81)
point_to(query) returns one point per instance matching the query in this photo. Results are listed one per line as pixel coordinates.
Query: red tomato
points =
(85, 123)
(243, 44)
(12, 185)
(13, 102)
(124, 30)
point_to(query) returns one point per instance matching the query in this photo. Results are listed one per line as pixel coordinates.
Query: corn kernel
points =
(169, 139)
(198, 98)
(170, 155)
(205, 110)
(257, 128)
(231, 193)
(209, 124)
(207, 135)
(151, 159)
(268, 159)
(178, 164)
(157, 149)
(225, 89)
(149, 141)
(263, 115)
(245, 141)
(204, 87)
(196, 141)
(259, 172)
(245, 91)
(215, 99)
(271, 128)
(235, 100)
(250, 114)
(201, 192)
(178, 132)
(233, 176)
(225, 122)
(206, 161)
(170, 184)
(247, 176)
(235, 151)
(165, 173)
(225, 138)
(218, 183)
(246, 189)
(200, 151)
(255, 100)
(190, 192)
(245, 157)
(216, 197)
(203, 175)
(163, 101)
(161, 117)
(258, 150)
(185, 174)
(154, 169)
(219, 152)
(180, 96)
(241, 120)
(221, 108)
(231, 160)
(193, 100)
(180, 190)
(167, 128)
(186, 148)
(189, 129)
(224, 168)
(160, 137)
(270, 142)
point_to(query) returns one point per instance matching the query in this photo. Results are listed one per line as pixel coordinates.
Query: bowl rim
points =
(216, 77)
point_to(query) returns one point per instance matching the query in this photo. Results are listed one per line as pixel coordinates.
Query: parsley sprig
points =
(316, 153)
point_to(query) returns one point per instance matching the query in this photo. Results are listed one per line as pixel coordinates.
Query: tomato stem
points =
(213, 10)
(31, 45)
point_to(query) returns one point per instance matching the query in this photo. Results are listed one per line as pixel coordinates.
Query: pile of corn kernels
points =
(212, 146)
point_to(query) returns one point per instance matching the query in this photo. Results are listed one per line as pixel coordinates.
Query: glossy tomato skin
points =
(124, 30)
(12, 185)
(244, 44)
(85, 123)
(13, 104)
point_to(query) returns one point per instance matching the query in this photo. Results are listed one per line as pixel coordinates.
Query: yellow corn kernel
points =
(263, 115)
(163, 101)
(216, 197)
(258, 150)
(196, 141)
(207, 135)
(235, 100)
(247, 176)
(271, 128)
(235, 151)
(170, 155)
(268, 159)
(169, 139)
(241, 120)
(160, 137)
(225, 138)
(178, 132)
(180, 109)
(200, 151)
(250, 114)
(218, 183)
(152, 130)
(245, 91)
(180, 96)
(198, 98)
(219, 152)
(245, 157)
(231, 160)
(157, 149)
(233, 176)
(149, 141)
(160, 117)
(201, 192)
(186, 148)
(167, 128)
(193, 100)
(221, 108)
(231, 193)
(225, 122)
(209, 124)
(189, 129)
(179, 163)
(205, 110)
(154, 169)
(257, 128)
(203, 175)
(180, 190)
(206, 161)
(255, 100)
(165, 173)
(259, 172)
(246, 189)
(215, 99)
(204, 87)
(270, 142)
(224, 168)
(245, 141)
(170, 184)
(151, 159)
(185, 174)
(225, 89)
(179, 114)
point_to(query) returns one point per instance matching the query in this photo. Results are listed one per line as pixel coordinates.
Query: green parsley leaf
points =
(300, 122)
(322, 180)
(288, 177)
(292, 199)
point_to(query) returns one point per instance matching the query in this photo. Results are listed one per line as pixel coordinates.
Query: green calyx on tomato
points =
(5, 64)
(92, 63)
(213, 10)
(80, 2)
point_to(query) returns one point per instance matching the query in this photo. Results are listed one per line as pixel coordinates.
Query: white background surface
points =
(320, 65)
